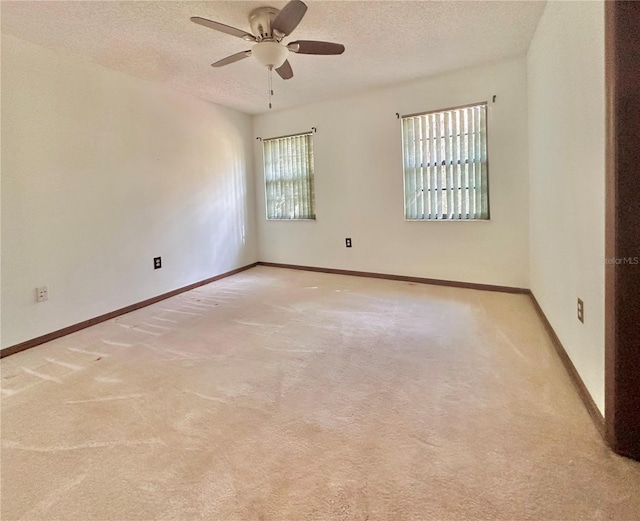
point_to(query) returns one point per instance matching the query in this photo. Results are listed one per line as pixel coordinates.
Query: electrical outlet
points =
(581, 310)
(42, 293)
(157, 263)
(348, 242)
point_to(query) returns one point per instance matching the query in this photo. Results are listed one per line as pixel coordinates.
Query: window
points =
(288, 174)
(445, 165)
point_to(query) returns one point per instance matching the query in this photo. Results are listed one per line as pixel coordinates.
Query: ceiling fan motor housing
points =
(260, 20)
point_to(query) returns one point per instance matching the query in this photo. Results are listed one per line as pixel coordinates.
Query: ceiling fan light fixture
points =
(270, 54)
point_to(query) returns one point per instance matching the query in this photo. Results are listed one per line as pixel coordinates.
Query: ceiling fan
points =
(269, 27)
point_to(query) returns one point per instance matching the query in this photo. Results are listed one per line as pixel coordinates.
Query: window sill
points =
(447, 220)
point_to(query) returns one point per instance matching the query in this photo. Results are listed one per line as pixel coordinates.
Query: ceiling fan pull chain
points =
(270, 84)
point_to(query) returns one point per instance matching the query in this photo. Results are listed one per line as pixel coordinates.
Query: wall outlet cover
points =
(581, 310)
(348, 242)
(157, 263)
(42, 293)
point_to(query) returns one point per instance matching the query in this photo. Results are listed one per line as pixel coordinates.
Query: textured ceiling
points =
(387, 42)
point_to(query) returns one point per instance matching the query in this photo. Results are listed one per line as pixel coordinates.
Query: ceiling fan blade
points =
(223, 28)
(232, 59)
(285, 71)
(289, 17)
(312, 47)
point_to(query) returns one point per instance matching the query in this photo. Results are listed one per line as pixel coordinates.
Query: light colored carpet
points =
(288, 395)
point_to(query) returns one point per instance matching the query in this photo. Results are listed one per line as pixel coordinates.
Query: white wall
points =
(567, 159)
(359, 192)
(101, 172)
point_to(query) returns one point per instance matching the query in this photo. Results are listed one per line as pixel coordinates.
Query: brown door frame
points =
(622, 227)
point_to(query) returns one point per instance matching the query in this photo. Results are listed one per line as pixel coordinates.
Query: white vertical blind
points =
(288, 173)
(445, 164)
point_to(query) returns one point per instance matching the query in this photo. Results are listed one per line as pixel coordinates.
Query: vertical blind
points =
(445, 164)
(288, 172)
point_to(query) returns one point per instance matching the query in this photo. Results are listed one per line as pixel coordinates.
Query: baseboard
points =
(583, 392)
(402, 278)
(17, 348)
(28, 344)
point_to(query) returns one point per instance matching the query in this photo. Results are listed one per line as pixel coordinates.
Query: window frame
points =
(487, 182)
(310, 178)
